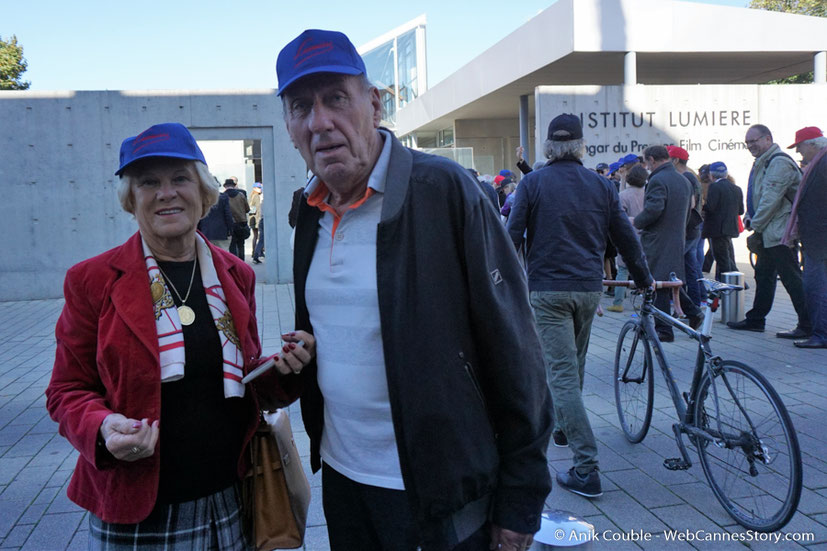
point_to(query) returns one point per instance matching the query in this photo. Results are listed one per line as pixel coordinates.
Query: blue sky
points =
(212, 44)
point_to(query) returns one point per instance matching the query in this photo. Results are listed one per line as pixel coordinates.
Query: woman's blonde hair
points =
(207, 185)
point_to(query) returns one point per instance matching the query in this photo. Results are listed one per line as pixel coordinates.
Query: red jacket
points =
(107, 361)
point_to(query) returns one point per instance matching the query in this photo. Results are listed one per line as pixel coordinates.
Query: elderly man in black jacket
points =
(568, 212)
(808, 219)
(662, 223)
(724, 204)
(425, 399)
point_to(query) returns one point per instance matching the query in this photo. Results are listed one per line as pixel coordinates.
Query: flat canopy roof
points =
(585, 42)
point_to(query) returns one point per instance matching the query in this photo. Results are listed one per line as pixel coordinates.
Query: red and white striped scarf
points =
(170, 333)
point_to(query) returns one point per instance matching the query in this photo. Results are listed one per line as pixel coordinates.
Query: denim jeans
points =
(258, 250)
(815, 289)
(620, 292)
(693, 271)
(564, 322)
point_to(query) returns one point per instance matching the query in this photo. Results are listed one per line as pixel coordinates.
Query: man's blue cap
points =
(628, 159)
(317, 51)
(257, 184)
(718, 167)
(168, 139)
(613, 167)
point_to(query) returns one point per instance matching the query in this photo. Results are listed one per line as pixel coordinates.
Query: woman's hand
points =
(293, 358)
(129, 439)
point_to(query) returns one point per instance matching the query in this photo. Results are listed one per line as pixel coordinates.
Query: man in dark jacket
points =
(807, 217)
(568, 212)
(239, 208)
(692, 268)
(218, 224)
(663, 220)
(425, 398)
(724, 204)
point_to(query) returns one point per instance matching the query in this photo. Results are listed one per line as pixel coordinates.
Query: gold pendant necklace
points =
(185, 313)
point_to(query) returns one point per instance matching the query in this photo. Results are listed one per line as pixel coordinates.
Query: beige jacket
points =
(770, 185)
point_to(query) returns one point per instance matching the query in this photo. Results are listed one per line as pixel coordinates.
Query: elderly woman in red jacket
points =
(162, 328)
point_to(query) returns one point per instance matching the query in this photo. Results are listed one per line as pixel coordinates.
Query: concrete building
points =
(638, 72)
(59, 152)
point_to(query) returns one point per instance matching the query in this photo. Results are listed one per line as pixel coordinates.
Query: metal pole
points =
(630, 69)
(820, 68)
(524, 126)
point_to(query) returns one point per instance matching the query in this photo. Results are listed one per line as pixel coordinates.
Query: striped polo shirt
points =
(358, 439)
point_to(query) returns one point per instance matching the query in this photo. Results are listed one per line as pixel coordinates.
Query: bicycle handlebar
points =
(676, 284)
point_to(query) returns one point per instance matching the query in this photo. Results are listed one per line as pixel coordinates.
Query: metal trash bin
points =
(732, 304)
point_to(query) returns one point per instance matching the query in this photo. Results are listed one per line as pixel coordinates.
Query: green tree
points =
(816, 8)
(12, 65)
(801, 7)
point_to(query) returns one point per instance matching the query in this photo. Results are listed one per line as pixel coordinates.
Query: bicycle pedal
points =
(676, 464)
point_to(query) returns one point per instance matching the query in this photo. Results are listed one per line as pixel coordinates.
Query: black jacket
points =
(812, 220)
(218, 223)
(569, 212)
(724, 204)
(469, 401)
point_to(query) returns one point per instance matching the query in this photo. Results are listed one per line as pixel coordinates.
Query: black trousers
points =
(724, 255)
(361, 517)
(771, 263)
(662, 297)
(237, 247)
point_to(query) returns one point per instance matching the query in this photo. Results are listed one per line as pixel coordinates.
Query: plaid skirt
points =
(209, 523)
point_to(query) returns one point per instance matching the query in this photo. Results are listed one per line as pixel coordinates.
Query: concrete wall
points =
(494, 142)
(709, 121)
(58, 155)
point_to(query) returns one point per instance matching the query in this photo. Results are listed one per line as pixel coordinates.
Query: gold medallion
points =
(186, 314)
(157, 290)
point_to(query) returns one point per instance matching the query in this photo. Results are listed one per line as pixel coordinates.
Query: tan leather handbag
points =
(276, 493)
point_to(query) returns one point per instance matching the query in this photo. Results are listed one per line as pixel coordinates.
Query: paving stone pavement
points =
(36, 462)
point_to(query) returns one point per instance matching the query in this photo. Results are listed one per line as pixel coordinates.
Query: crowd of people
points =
(433, 367)
(712, 205)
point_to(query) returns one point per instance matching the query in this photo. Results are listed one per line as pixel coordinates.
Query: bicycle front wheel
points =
(754, 464)
(634, 382)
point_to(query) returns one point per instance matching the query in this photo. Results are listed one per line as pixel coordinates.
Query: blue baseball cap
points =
(317, 51)
(613, 167)
(718, 167)
(168, 139)
(628, 159)
(257, 184)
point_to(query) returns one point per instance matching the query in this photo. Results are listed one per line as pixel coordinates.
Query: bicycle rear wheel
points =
(634, 382)
(754, 468)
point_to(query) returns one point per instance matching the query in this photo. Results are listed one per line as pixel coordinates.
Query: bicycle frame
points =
(704, 359)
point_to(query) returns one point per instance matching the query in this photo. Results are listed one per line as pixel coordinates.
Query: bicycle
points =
(743, 434)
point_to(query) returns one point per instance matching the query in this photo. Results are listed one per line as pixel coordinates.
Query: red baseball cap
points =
(677, 152)
(806, 133)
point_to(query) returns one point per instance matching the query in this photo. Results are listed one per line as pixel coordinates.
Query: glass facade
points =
(396, 66)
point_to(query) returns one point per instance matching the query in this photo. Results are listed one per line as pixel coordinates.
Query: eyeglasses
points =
(751, 143)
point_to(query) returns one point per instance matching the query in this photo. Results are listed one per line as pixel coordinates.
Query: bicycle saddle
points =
(718, 288)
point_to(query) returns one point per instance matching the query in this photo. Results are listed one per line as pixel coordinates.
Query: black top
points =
(201, 431)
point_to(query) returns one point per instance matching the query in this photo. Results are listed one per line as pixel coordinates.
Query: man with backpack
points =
(773, 181)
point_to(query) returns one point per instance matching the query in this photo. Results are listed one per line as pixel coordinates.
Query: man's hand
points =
(520, 153)
(129, 439)
(503, 539)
